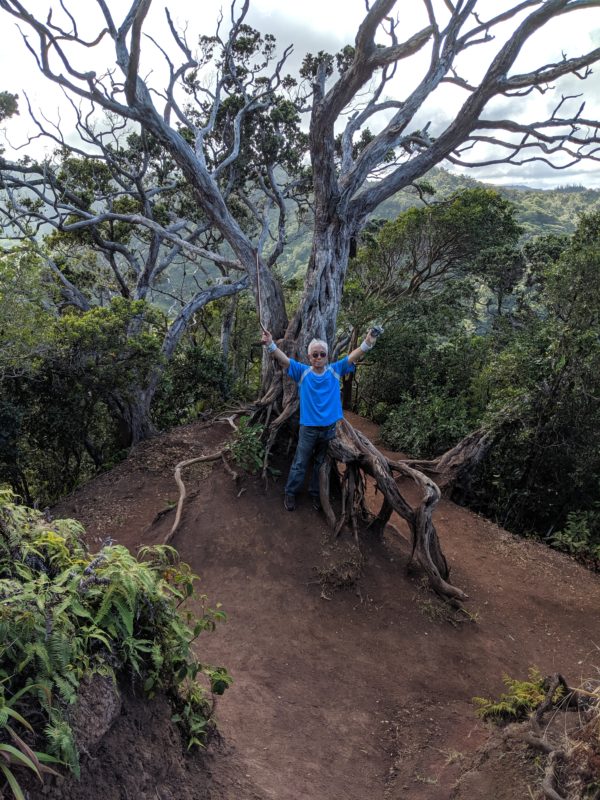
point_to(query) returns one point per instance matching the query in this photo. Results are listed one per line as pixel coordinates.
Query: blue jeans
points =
(312, 441)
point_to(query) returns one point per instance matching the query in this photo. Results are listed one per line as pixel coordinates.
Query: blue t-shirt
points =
(320, 400)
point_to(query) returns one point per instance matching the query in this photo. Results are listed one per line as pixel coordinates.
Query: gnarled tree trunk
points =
(133, 415)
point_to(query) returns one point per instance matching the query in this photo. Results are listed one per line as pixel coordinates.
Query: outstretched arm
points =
(360, 351)
(277, 354)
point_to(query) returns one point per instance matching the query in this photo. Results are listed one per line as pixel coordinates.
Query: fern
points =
(105, 606)
(60, 650)
(65, 614)
(36, 651)
(157, 657)
(61, 742)
(66, 689)
(522, 698)
(125, 612)
(43, 689)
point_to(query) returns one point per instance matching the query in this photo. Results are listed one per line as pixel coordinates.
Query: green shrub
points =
(65, 614)
(424, 427)
(581, 534)
(247, 446)
(522, 698)
(58, 415)
(380, 412)
(194, 381)
(421, 381)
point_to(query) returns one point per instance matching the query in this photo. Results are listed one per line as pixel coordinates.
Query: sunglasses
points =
(318, 355)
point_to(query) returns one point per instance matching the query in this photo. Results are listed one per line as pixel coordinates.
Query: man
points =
(320, 407)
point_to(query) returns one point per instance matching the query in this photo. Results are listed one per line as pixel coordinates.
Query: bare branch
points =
(138, 219)
(137, 21)
(467, 119)
(198, 301)
(70, 291)
(551, 72)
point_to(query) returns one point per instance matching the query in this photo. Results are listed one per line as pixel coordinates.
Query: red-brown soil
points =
(356, 693)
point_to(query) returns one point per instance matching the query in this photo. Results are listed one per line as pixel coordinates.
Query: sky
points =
(313, 25)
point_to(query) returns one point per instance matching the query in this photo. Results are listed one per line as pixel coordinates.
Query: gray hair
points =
(319, 343)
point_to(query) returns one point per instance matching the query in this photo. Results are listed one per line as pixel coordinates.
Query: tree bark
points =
(351, 446)
(227, 328)
(133, 415)
(318, 310)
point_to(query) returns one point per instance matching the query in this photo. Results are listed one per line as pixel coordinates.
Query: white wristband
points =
(365, 346)
(271, 347)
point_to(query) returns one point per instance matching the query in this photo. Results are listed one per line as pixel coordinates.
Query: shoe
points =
(316, 502)
(289, 502)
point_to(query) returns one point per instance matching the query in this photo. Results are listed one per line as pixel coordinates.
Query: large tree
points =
(353, 170)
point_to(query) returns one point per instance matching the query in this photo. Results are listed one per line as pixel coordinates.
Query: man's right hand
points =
(277, 354)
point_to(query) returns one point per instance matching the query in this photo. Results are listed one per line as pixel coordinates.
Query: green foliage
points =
(194, 381)
(271, 136)
(539, 212)
(580, 535)
(9, 105)
(522, 698)
(543, 387)
(191, 706)
(453, 360)
(380, 412)
(26, 329)
(247, 446)
(424, 248)
(18, 754)
(66, 614)
(421, 379)
(58, 408)
(117, 343)
(427, 429)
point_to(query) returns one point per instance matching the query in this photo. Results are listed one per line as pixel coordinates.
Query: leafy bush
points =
(426, 427)
(247, 446)
(581, 534)
(65, 615)
(522, 698)
(380, 412)
(58, 414)
(528, 369)
(543, 388)
(422, 380)
(194, 381)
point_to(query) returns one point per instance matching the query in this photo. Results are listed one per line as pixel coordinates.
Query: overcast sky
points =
(313, 25)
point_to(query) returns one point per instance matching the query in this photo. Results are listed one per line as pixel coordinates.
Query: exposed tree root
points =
(360, 456)
(352, 448)
(456, 464)
(230, 419)
(353, 506)
(288, 412)
(182, 489)
(533, 734)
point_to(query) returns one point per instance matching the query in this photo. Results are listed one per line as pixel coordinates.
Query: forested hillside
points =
(539, 211)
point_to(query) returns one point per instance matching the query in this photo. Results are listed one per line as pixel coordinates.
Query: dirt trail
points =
(365, 695)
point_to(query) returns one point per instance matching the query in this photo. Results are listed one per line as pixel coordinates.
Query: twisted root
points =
(351, 447)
